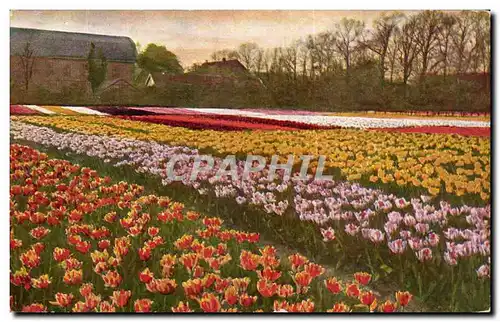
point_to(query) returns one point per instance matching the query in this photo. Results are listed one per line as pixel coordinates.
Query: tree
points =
(247, 52)
(224, 53)
(348, 33)
(157, 58)
(407, 47)
(444, 41)
(427, 34)
(97, 67)
(383, 30)
(27, 63)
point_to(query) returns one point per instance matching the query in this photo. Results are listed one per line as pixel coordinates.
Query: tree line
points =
(399, 60)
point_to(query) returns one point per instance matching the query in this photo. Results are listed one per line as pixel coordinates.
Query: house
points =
(232, 65)
(228, 72)
(56, 61)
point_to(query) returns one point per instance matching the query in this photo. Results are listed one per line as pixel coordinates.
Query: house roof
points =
(109, 84)
(60, 44)
(232, 63)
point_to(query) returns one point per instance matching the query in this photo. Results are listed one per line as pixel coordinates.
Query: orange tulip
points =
(297, 261)
(30, 259)
(352, 290)
(34, 308)
(92, 300)
(314, 270)
(86, 289)
(80, 307)
(182, 308)
(184, 242)
(403, 298)
(333, 285)
(231, 295)
(388, 307)
(103, 244)
(143, 305)
(339, 307)
(249, 261)
(106, 307)
(192, 287)
(367, 298)
(153, 231)
(362, 278)
(285, 290)
(144, 253)
(42, 282)
(112, 279)
(266, 288)
(246, 300)
(146, 276)
(241, 283)
(303, 279)
(209, 303)
(304, 306)
(163, 286)
(189, 260)
(269, 274)
(62, 300)
(73, 277)
(191, 215)
(120, 298)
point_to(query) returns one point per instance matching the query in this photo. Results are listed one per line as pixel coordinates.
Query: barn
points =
(57, 62)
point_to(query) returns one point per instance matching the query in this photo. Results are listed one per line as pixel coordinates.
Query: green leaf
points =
(386, 268)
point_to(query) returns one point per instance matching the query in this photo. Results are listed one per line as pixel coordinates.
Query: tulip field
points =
(111, 211)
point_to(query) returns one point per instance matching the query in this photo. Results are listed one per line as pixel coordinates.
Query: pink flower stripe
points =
(21, 110)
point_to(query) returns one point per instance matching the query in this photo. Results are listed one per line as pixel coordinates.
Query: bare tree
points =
(481, 55)
(444, 42)
(259, 60)
(27, 63)
(392, 55)
(247, 52)
(290, 56)
(348, 34)
(427, 36)
(380, 37)
(224, 53)
(462, 39)
(407, 48)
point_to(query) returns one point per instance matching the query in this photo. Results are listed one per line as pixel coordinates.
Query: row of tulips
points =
(346, 121)
(434, 164)
(82, 243)
(432, 231)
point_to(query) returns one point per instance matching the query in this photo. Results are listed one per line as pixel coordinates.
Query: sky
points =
(192, 34)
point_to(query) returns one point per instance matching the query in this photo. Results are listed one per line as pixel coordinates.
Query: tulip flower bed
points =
(207, 123)
(418, 242)
(345, 121)
(467, 131)
(224, 122)
(439, 165)
(83, 243)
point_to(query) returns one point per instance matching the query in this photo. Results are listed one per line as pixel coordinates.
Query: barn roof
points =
(232, 63)
(60, 44)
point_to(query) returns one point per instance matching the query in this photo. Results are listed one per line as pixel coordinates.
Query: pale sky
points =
(192, 35)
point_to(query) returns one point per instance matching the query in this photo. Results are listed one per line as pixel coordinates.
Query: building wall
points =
(56, 74)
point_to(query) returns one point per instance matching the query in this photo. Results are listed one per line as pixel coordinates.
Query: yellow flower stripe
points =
(460, 165)
(60, 110)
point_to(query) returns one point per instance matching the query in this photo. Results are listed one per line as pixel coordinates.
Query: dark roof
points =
(50, 43)
(232, 63)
